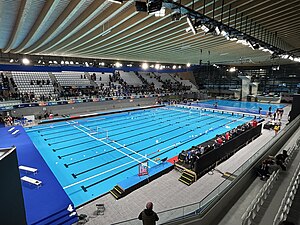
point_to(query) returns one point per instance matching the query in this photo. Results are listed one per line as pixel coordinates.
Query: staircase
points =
(93, 83)
(188, 177)
(54, 80)
(117, 192)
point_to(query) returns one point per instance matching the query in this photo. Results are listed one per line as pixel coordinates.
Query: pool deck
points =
(167, 192)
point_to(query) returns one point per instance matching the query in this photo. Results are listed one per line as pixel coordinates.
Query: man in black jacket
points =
(148, 216)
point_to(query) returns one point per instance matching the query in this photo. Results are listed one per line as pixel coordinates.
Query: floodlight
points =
(224, 33)
(217, 29)
(284, 56)
(176, 16)
(116, 1)
(154, 5)
(118, 64)
(190, 22)
(160, 13)
(297, 59)
(145, 66)
(253, 46)
(205, 28)
(157, 66)
(11, 60)
(232, 69)
(188, 65)
(174, 67)
(25, 61)
(141, 6)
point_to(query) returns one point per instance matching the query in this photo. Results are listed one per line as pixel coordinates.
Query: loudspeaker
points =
(141, 6)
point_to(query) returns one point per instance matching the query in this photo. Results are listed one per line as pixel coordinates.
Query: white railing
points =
(253, 209)
(288, 198)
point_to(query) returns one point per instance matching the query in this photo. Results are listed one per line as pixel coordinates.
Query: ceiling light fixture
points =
(154, 6)
(145, 66)
(25, 61)
(118, 65)
(190, 23)
(116, 1)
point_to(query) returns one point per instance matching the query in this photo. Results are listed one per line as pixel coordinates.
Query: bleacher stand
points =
(186, 83)
(131, 78)
(72, 79)
(165, 76)
(38, 83)
(101, 78)
(151, 79)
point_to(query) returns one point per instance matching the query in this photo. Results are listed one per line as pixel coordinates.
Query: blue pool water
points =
(94, 154)
(250, 107)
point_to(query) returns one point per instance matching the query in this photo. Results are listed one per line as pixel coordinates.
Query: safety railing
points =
(288, 198)
(256, 204)
(197, 208)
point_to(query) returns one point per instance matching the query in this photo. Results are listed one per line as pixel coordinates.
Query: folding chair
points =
(100, 209)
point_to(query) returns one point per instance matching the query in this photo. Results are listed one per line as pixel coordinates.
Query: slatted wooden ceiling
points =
(104, 30)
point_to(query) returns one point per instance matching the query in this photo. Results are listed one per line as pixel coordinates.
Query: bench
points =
(11, 129)
(15, 132)
(28, 169)
(31, 181)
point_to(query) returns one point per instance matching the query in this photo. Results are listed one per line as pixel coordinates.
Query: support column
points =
(245, 87)
(254, 86)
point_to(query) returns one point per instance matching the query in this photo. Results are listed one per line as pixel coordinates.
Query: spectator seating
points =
(290, 193)
(186, 83)
(151, 79)
(102, 78)
(165, 77)
(256, 204)
(27, 83)
(131, 78)
(72, 79)
(253, 210)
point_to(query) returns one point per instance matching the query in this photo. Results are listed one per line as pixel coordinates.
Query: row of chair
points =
(253, 209)
(288, 198)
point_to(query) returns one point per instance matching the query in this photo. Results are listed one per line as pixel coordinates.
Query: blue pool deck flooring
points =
(45, 204)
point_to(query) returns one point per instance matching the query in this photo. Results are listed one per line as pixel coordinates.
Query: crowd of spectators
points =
(40, 82)
(190, 156)
(115, 87)
(264, 171)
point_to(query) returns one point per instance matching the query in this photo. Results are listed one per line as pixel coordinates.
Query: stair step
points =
(114, 194)
(185, 182)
